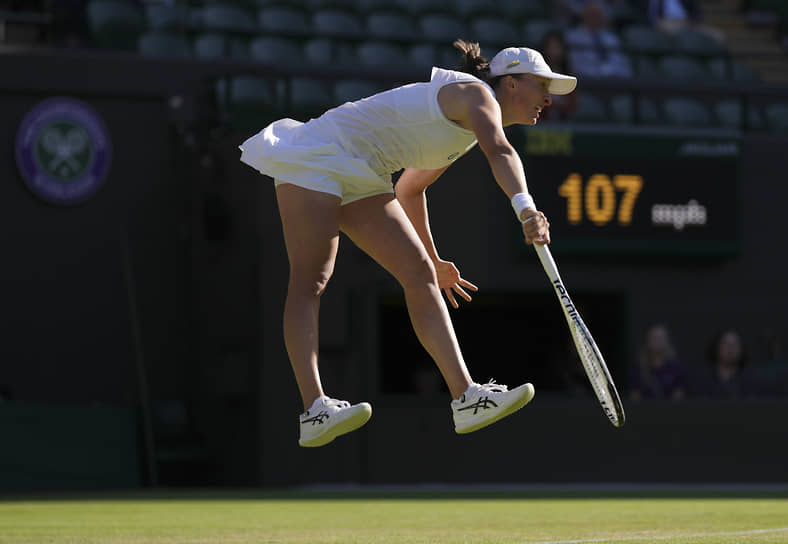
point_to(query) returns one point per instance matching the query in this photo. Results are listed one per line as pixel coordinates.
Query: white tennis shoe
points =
(328, 418)
(484, 404)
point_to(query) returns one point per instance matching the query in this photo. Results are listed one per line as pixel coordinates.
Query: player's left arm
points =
(411, 191)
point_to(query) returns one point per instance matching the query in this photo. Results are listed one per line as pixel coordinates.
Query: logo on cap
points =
(513, 64)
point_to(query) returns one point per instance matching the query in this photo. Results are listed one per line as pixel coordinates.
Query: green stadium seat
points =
(227, 19)
(694, 42)
(422, 7)
(534, 31)
(344, 5)
(441, 27)
(310, 96)
(326, 51)
(646, 39)
(590, 109)
(375, 54)
(275, 51)
(683, 68)
(214, 45)
(621, 109)
(648, 111)
(283, 21)
(347, 90)
(729, 115)
(249, 102)
(166, 16)
(686, 112)
(777, 118)
(494, 30)
(115, 24)
(391, 25)
(162, 44)
(334, 23)
(646, 68)
(422, 55)
(513, 11)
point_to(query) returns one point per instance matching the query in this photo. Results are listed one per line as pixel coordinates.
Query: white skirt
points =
(306, 155)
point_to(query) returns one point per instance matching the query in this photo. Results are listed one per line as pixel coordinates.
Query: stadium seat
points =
(422, 55)
(347, 90)
(534, 31)
(777, 117)
(729, 114)
(621, 109)
(162, 44)
(646, 39)
(275, 51)
(115, 24)
(686, 112)
(251, 90)
(390, 25)
(283, 21)
(310, 96)
(345, 5)
(381, 55)
(441, 28)
(513, 10)
(334, 23)
(590, 109)
(423, 7)
(214, 45)
(227, 19)
(683, 68)
(647, 68)
(326, 51)
(694, 42)
(647, 111)
(494, 30)
(166, 16)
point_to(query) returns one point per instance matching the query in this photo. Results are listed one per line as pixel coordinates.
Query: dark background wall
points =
(163, 295)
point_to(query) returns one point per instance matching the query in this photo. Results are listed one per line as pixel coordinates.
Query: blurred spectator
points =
(727, 358)
(769, 376)
(659, 373)
(69, 24)
(556, 53)
(594, 49)
(672, 15)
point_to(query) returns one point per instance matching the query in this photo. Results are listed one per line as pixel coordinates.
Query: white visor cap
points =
(522, 60)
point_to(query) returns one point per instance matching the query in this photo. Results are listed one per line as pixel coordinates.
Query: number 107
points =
(599, 197)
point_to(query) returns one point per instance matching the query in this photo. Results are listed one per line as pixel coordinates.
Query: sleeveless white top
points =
(383, 133)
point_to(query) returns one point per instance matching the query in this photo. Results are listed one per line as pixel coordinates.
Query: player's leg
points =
(380, 227)
(310, 222)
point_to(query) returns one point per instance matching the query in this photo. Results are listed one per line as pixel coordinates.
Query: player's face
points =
(532, 97)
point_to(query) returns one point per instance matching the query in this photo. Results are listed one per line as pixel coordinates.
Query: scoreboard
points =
(631, 191)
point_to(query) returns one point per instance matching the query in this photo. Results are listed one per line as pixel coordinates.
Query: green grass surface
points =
(461, 516)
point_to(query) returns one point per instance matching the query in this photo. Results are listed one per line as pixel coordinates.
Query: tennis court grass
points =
(465, 516)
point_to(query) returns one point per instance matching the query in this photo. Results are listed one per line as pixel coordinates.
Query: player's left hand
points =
(450, 281)
(536, 227)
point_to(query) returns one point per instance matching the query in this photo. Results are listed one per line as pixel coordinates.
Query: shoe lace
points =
(338, 403)
(493, 387)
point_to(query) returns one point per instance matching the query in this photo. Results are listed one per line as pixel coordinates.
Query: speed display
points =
(633, 192)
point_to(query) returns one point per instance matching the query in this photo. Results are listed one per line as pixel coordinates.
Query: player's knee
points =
(418, 275)
(310, 285)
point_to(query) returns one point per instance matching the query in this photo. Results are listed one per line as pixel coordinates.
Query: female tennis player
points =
(333, 174)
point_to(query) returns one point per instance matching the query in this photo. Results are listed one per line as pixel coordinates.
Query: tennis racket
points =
(593, 362)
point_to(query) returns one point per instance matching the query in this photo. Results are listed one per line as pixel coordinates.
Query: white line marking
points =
(661, 537)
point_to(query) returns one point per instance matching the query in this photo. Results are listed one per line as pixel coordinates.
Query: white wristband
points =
(522, 201)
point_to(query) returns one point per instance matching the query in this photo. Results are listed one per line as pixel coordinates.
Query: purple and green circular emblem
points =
(63, 150)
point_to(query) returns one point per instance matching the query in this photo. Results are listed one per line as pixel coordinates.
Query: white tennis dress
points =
(351, 151)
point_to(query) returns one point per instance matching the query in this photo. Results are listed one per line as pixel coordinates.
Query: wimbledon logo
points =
(63, 151)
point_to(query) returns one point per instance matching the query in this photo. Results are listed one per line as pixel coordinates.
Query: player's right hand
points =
(536, 227)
